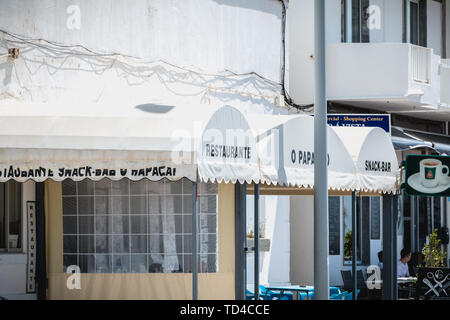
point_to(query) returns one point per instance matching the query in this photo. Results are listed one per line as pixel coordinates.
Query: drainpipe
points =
(287, 98)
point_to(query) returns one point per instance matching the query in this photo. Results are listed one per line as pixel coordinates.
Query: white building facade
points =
(383, 57)
(74, 53)
(229, 52)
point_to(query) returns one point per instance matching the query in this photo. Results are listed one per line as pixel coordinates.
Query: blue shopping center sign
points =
(382, 121)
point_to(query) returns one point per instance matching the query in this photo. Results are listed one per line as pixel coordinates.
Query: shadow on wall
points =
(154, 108)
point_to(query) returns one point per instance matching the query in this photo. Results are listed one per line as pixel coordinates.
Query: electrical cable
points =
(32, 41)
(287, 99)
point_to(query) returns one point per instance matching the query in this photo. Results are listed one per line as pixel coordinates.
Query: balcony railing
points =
(420, 64)
(445, 81)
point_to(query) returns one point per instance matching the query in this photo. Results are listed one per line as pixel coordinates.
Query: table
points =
(406, 280)
(293, 288)
(399, 281)
(402, 282)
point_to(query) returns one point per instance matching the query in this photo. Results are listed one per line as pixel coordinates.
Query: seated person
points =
(403, 272)
(402, 264)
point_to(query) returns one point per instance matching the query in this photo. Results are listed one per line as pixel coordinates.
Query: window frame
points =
(358, 220)
(363, 254)
(6, 218)
(179, 233)
(337, 227)
(421, 22)
(347, 21)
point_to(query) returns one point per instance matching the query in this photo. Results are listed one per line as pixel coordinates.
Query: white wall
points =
(211, 35)
(273, 264)
(302, 245)
(445, 84)
(333, 21)
(448, 28)
(367, 70)
(300, 22)
(302, 240)
(211, 39)
(360, 75)
(391, 21)
(13, 266)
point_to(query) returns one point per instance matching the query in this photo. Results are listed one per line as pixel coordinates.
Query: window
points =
(11, 217)
(368, 227)
(436, 221)
(355, 15)
(416, 21)
(137, 227)
(364, 229)
(334, 225)
(347, 211)
(375, 222)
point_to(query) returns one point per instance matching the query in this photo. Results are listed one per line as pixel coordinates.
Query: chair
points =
(362, 284)
(334, 291)
(340, 296)
(349, 296)
(347, 279)
(251, 295)
(276, 295)
(360, 280)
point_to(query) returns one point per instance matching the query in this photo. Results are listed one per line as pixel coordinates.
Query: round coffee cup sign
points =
(427, 175)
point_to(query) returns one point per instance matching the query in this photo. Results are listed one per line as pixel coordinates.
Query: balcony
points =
(396, 77)
(445, 82)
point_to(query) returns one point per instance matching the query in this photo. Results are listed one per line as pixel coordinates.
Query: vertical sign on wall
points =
(31, 267)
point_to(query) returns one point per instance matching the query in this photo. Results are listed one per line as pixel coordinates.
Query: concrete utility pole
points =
(194, 241)
(321, 263)
(256, 248)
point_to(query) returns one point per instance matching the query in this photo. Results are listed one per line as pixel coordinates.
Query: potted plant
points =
(433, 277)
(432, 252)
(264, 243)
(348, 244)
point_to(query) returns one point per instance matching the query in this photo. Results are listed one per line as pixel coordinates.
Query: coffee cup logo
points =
(432, 172)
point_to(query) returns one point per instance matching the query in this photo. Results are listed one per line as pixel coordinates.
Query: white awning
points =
(227, 151)
(154, 141)
(286, 151)
(176, 140)
(49, 141)
(374, 156)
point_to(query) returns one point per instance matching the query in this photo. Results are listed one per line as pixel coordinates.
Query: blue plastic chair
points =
(251, 295)
(276, 295)
(334, 291)
(340, 296)
(349, 296)
(302, 295)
